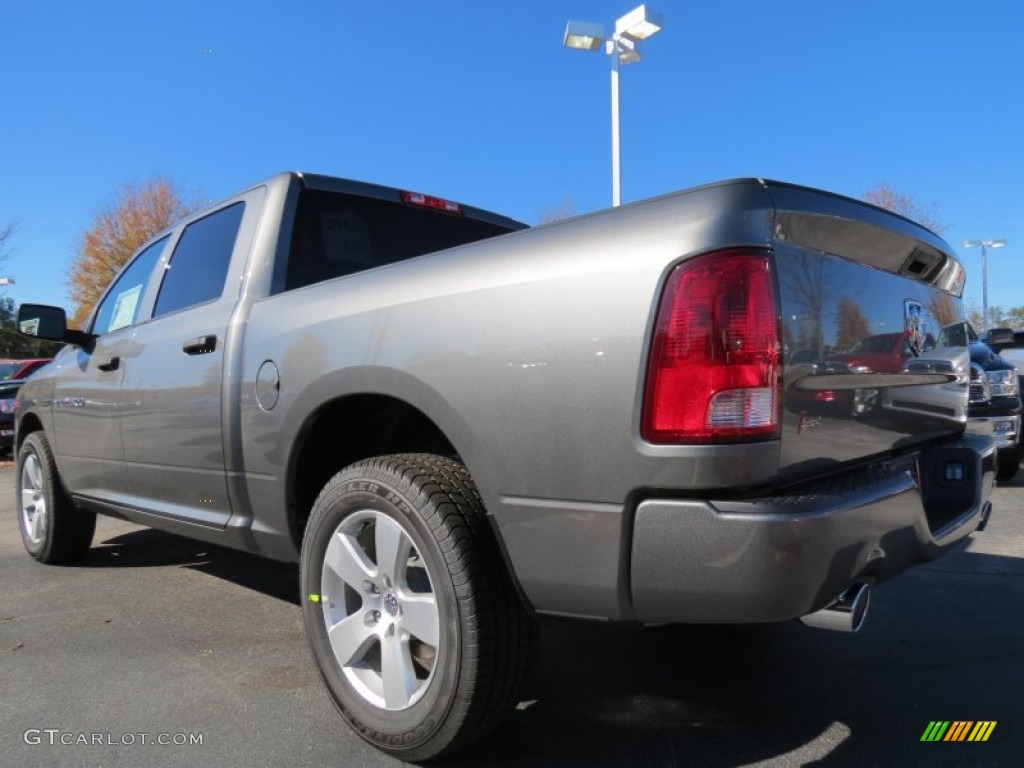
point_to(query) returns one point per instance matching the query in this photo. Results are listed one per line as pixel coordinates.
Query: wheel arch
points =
(368, 425)
(372, 425)
(28, 424)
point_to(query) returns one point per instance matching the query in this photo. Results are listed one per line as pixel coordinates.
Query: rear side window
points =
(199, 265)
(337, 234)
(120, 307)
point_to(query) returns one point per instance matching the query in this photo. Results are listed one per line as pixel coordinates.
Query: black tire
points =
(1008, 462)
(53, 530)
(447, 566)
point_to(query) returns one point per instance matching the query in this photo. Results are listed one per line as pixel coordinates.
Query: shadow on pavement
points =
(933, 649)
(149, 548)
(936, 647)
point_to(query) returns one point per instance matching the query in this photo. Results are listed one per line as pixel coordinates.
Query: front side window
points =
(199, 265)
(120, 307)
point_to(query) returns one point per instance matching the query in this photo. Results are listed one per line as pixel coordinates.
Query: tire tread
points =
(71, 530)
(499, 636)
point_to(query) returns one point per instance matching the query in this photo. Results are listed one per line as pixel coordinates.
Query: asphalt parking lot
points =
(155, 637)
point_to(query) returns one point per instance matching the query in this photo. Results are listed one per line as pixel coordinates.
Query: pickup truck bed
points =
(456, 424)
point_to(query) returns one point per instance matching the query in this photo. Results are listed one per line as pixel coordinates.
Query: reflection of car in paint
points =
(882, 353)
(842, 403)
(21, 369)
(994, 407)
(1013, 354)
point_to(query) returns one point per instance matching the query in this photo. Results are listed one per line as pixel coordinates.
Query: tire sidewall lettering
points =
(379, 491)
(383, 726)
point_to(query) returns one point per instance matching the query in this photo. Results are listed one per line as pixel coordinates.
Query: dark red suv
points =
(21, 369)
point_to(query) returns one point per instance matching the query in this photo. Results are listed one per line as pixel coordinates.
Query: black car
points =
(8, 393)
(995, 401)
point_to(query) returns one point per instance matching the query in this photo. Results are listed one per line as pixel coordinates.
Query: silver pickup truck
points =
(455, 423)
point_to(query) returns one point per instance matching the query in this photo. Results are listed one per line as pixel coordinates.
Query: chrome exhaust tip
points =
(846, 614)
(986, 513)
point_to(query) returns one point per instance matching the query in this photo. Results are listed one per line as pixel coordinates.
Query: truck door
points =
(86, 391)
(171, 412)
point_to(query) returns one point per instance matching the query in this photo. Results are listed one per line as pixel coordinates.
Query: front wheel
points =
(53, 530)
(411, 617)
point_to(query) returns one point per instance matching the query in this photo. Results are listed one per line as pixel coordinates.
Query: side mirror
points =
(50, 323)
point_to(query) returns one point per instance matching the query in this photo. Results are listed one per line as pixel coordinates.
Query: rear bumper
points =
(781, 557)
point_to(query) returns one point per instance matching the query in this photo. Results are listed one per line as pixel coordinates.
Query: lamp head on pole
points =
(638, 24)
(630, 30)
(583, 36)
(997, 243)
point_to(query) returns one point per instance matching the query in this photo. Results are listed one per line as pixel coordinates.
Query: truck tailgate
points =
(874, 342)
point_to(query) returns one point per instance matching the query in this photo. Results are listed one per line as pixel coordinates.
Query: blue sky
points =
(479, 102)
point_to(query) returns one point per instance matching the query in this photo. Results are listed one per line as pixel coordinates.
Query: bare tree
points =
(974, 314)
(1015, 317)
(8, 329)
(811, 281)
(886, 196)
(12, 343)
(943, 308)
(564, 210)
(136, 213)
(6, 235)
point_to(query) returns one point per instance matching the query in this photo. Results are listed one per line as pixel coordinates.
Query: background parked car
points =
(8, 393)
(21, 369)
(995, 396)
(1012, 351)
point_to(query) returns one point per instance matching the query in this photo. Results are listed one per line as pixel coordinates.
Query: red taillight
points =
(426, 201)
(714, 371)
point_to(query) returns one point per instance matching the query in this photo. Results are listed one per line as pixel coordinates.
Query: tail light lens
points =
(714, 371)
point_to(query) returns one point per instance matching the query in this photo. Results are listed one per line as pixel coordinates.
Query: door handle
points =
(201, 345)
(110, 364)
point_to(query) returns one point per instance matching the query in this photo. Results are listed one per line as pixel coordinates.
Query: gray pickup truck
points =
(455, 423)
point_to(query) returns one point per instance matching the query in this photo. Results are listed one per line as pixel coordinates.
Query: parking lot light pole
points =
(637, 25)
(985, 245)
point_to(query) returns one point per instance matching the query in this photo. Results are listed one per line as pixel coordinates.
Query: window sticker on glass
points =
(124, 308)
(346, 237)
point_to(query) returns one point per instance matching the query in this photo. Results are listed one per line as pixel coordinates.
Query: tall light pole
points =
(637, 25)
(985, 245)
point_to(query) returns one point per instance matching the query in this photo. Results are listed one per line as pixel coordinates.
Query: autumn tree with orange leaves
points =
(136, 213)
(851, 325)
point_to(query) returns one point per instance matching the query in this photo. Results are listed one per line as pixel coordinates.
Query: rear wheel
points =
(53, 530)
(412, 619)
